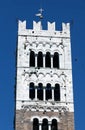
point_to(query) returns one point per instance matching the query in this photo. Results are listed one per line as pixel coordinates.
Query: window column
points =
(36, 93)
(40, 125)
(51, 61)
(52, 94)
(49, 125)
(36, 60)
(44, 60)
(44, 93)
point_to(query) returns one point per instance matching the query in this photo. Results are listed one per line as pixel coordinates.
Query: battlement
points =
(37, 26)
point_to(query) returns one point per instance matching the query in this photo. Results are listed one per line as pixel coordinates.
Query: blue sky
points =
(72, 11)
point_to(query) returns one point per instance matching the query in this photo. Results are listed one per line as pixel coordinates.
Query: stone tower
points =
(44, 89)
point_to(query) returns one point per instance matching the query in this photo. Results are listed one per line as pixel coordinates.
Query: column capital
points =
(49, 122)
(40, 122)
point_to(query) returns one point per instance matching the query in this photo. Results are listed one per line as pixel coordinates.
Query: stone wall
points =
(24, 119)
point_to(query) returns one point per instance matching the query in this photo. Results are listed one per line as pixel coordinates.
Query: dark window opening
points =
(32, 59)
(32, 91)
(57, 92)
(45, 124)
(40, 92)
(48, 92)
(35, 124)
(48, 60)
(40, 59)
(56, 60)
(54, 125)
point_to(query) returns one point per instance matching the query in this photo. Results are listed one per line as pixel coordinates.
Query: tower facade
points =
(44, 89)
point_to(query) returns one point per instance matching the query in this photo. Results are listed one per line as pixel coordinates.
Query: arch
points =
(57, 92)
(40, 59)
(40, 91)
(56, 60)
(32, 91)
(48, 60)
(40, 76)
(54, 125)
(32, 59)
(54, 117)
(45, 124)
(48, 92)
(47, 45)
(35, 124)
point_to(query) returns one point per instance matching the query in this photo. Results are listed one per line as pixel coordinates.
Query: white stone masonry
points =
(39, 40)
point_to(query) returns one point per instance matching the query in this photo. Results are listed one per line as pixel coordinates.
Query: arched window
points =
(40, 59)
(35, 124)
(32, 59)
(56, 60)
(32, 91)
(48, 92)
(57, 92)
(40, 92)
(54, 125)
(45, 124)
(48, 60)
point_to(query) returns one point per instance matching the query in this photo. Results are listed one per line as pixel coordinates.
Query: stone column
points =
(40, 126)
(44, 60)
(35, 60)
(49, 125)
(51, 61)
(36, 93)
(52, 94)
(44, 94)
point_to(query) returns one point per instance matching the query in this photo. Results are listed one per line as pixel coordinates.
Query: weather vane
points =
(40, 13)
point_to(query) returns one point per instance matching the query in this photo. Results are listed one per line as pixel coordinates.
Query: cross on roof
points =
(41, 10)
(40, 14)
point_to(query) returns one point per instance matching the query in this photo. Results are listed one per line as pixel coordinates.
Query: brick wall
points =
(24, 119)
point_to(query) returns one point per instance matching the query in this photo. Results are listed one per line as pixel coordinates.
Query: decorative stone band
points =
(59, 109)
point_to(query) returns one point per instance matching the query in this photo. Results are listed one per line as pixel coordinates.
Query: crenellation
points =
(21, 25)
(66, 28)
(51, 26)
(37, 26)
(38, 31)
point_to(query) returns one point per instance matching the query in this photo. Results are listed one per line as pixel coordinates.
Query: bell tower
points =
(44, 89)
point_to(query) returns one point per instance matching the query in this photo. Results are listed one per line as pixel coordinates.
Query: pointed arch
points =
(32, 59)
(48, 92)
(31, 91)
(35, 124)
(45, 124)
(40, 91)
(40, 59)
(57, 92)
(48, 60)
(54, 125)
(56, 60)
